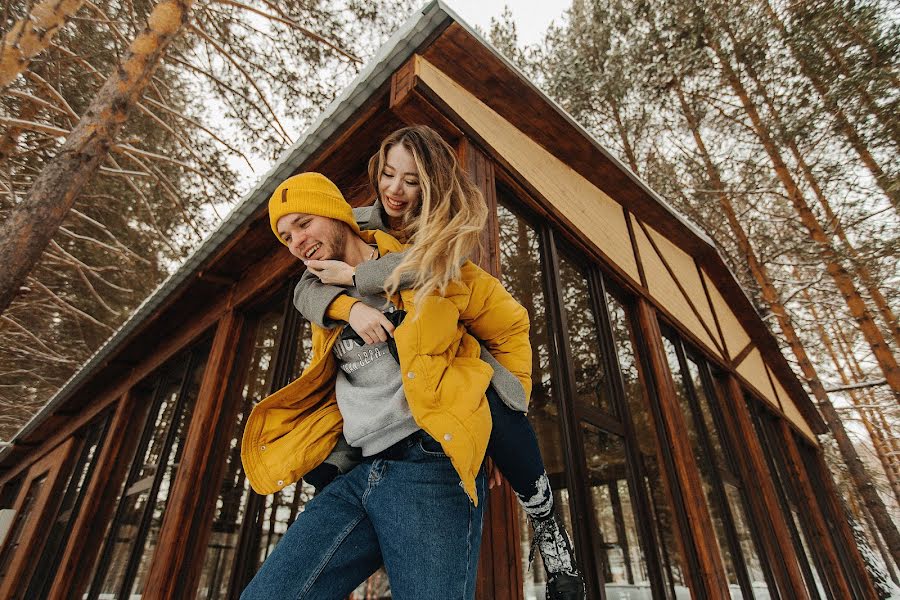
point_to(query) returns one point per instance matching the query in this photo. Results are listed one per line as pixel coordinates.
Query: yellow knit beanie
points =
(311, 194)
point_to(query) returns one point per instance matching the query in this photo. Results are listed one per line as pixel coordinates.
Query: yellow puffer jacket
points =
(292, 431)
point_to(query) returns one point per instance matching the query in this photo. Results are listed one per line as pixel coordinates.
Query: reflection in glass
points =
(584, 341)
(234, 493)
(51, 555)
(522, 274)
(705, 465)
(242, 517)
(663, 519)
(132, 537)
(766, 429)
(14, 537)
(620, 561)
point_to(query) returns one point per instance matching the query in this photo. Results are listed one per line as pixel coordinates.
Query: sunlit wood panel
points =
(664, 290)
(685, 271)
(791, 411)
(753, 369)
(598, 217)
(736, 337)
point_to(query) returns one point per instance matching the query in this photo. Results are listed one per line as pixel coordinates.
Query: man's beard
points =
(338, 241)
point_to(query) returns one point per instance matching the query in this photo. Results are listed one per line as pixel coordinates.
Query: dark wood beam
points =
(99, 503)
(822, 543)
(185, 530)
(760, 491)
(499, 569)
(697, 536)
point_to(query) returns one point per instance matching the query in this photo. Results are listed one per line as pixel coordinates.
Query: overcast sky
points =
(531, 16)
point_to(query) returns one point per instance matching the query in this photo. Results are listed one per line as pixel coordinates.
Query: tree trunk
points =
(888, 185)
(32, 35)
(878, 440)
(33, 223)
(856, 260)
(838, 273)
(856, 369)
(861, 478)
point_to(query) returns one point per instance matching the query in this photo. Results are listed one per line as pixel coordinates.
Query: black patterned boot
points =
(563, 579)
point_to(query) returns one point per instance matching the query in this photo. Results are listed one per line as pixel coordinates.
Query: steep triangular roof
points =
(430, 30)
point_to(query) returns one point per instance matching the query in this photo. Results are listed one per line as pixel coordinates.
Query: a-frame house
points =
(681, 448)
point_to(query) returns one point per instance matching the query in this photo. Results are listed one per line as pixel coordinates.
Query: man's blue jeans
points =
(411, 514)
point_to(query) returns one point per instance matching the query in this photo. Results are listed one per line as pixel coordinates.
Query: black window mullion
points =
(562, 368)
(136, 466)
(137, 548)
(635, 474)
(252, 529)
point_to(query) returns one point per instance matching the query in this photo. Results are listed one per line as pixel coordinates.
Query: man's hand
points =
(371, 325)
(332, 272)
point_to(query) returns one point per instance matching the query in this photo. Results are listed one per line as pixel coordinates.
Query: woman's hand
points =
(332, 272)
(370, 323)
(495, 479)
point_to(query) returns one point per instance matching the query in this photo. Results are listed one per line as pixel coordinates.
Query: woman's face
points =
(398, 184)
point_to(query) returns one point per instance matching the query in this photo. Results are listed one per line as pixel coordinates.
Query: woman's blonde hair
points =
(445, 226)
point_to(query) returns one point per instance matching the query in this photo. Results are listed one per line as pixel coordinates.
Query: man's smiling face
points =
(312, 237)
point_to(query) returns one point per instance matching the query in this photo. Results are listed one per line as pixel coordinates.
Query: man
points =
(418, 413)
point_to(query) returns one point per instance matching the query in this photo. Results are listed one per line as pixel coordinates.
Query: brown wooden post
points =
(499, 570)
(823, 541)
(53, 467)
(761, 493)
(185, 531)
(98, 505)
(699, 539)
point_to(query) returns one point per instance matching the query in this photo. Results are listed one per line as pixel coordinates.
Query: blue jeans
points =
(408, 512)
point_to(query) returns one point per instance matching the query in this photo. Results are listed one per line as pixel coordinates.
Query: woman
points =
(424, 197)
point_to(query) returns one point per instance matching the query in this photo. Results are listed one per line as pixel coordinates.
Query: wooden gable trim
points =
(712, 309)
(636, 249)
(687, 297)
(462, 57)
(423, 93)
(744, 353)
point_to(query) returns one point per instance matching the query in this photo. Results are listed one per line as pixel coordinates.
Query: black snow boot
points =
(563, 579)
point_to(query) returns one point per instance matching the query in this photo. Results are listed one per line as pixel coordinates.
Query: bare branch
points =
(288, 21)
(68, 307)
(227, 55)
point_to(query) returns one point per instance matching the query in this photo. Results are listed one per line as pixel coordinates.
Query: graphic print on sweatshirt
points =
(369, 390)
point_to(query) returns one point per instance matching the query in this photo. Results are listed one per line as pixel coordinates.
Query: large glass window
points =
(585, 346)
(131, 541)
(811, 567)
(586, 378)
(14, 537)
(276, 346)
(522, 273)
(658, 519)
(92, 437)
(697, 397)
